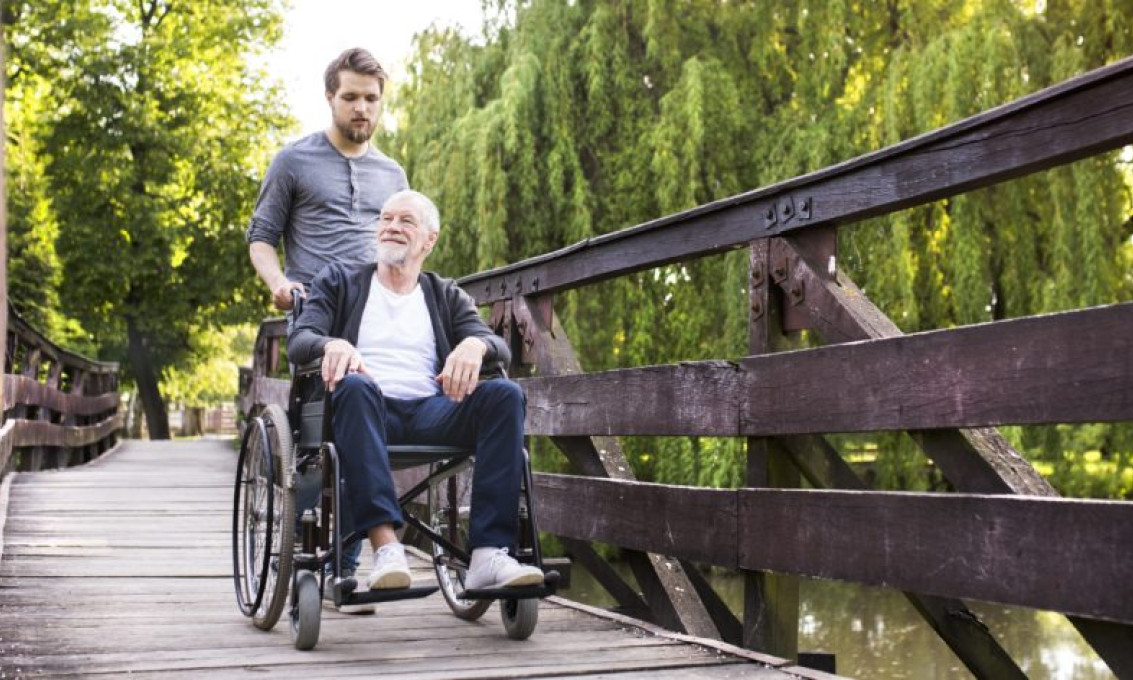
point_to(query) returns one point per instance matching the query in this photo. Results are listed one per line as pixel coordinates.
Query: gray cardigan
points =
(337, 297)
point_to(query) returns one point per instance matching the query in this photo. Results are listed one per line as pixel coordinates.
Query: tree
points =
(565, 120)
(154, 146)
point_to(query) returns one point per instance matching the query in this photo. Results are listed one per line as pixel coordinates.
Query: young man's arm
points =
(266, 262)
(269, 222)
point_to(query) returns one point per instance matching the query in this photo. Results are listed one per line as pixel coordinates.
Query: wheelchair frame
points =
(271, 568)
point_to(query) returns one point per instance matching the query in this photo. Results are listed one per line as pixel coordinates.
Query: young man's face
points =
(356, 105)
(403, 236)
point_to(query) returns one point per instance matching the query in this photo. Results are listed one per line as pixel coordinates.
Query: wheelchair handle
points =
(296, 303)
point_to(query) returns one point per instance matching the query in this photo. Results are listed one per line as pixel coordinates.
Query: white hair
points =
(430, 216)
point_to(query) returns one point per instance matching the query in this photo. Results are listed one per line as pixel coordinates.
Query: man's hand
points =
(462, 369)
(281, 294)
(340, 358)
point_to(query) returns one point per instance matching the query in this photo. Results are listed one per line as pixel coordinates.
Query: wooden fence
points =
(60, 408)
(1004, 537)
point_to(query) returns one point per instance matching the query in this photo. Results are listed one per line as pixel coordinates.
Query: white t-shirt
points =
(397, 344)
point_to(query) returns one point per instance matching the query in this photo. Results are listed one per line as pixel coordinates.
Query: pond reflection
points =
(876, 633)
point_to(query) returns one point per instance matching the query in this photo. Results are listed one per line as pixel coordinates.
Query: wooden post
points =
(771, 601)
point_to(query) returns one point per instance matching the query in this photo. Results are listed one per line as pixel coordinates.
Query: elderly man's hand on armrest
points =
(340, 358)
(462, 368)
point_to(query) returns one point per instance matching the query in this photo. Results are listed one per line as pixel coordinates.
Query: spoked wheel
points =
(306, 611)
(263, 518)
(453, 525)
(520, 617)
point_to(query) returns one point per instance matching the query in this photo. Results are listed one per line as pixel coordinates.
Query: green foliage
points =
(574, 119)
(211, 375)
(140, 132)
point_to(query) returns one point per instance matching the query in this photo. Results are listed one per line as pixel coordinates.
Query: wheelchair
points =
(280, 562)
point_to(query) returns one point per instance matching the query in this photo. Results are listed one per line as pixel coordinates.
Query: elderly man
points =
(402, 353)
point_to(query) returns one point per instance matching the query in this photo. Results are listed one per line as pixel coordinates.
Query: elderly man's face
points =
(403, 237)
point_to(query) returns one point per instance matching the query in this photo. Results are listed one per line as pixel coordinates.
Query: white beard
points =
(392, 256)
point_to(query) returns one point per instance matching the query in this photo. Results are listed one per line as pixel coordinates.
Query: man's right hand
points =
(340, 358)
(281, 295)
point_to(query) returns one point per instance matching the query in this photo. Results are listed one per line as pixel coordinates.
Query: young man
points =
(321, 197)
(322, 194)
(402, 355)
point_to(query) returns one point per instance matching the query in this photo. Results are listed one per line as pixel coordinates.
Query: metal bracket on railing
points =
(781, 210)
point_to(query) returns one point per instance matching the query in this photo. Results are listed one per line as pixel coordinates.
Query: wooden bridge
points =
(1004, 536)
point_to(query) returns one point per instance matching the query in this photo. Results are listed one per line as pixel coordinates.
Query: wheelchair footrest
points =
(388, 594)
(518, 593)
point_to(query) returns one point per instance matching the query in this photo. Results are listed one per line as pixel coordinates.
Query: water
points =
(876, 633)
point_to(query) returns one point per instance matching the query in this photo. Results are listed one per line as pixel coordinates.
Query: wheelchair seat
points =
(401, 456)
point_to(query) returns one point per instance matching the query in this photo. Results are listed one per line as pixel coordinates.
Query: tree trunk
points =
(157, 421)
(192, 421)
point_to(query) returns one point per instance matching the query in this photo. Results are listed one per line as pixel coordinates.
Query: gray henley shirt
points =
(323, 205)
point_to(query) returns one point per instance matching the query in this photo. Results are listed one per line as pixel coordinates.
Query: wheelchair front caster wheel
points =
(305, 611)
(519, 617)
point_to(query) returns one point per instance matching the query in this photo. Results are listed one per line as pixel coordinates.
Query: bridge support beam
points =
(771, 601)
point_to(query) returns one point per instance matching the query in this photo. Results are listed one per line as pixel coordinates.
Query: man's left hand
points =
(462, 369)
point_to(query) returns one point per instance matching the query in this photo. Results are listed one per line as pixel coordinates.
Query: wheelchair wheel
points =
(520, 617)
(263, 522)
(450, 575)
(306, 611)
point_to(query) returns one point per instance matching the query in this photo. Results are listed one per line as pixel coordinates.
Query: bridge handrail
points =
(59, 407)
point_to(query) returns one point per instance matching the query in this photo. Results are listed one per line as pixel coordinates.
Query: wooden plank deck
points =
(123, 566)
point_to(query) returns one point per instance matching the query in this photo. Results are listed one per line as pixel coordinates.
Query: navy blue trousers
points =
(489, 421)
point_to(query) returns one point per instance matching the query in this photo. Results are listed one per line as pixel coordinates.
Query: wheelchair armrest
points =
(312, 367)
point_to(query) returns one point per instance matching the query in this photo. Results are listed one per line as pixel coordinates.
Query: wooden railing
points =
(60, 408)
(1005, 537)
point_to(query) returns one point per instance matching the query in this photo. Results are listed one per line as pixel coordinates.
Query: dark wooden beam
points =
(1040, 369)
(1075, 119)
(41, 433)
(670, 520)
(1065, 555)
(23, 390)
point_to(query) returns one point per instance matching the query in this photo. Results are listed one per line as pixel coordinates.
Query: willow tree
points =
(566, 120)
(153, 143)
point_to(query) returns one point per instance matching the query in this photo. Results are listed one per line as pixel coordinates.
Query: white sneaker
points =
(391, 570)
(495, 568)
